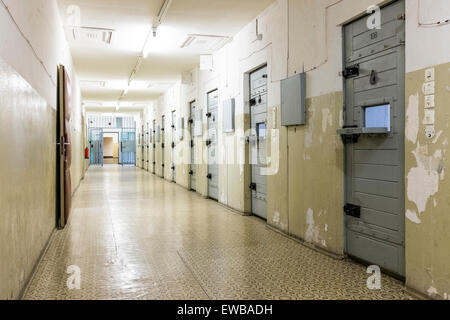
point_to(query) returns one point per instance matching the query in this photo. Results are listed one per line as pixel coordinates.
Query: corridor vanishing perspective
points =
(136, 236)
(225, 150)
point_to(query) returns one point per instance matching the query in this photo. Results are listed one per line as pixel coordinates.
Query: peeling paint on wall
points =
(412, 118)
(423, 180)
(327, 119)
(309, 133)
(412, 216)
(312, 233)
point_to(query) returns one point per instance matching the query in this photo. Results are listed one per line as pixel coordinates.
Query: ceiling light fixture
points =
(146, 49)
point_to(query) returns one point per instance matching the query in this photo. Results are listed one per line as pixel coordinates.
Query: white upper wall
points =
(427, 45)
(313, 43)
(39, 22)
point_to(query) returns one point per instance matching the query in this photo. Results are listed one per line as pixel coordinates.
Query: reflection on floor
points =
(135, 236)
(110, 160)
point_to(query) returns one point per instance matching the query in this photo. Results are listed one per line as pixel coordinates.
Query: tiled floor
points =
(135, 236)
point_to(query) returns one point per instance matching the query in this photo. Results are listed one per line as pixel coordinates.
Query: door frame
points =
(118, 145)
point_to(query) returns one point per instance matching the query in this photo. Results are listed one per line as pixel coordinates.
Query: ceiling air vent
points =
(205, 42)
(95, 35)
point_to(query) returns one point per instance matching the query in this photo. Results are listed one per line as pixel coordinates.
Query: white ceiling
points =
(132, 21)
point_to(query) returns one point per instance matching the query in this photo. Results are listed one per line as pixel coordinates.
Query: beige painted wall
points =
(27, 179)
(305, 196)
(28, 116)
(428, 187)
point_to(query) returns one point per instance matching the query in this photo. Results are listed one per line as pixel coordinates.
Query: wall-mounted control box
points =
(293, 100)
(228, 115)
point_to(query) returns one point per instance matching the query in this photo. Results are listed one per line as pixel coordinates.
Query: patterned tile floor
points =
(135, 236)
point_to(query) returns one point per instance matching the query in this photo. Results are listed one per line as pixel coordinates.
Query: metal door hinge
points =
(208, 115)
(401, 16)
(208, 142)
(253, 186)
(209, 176)
(350, 72)
(173, 145)
(352, 210)
(191, 173)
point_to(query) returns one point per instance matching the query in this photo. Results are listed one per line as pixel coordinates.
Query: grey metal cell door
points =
(174, 136)
(212, 140)
(97, 147)
(154, 148)
(374, 74)
(192, 124)
(258, 138)
(163, 145)
(127, 148)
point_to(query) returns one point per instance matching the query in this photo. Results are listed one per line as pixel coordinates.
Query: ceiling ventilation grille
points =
(205, 42)
(95, 35)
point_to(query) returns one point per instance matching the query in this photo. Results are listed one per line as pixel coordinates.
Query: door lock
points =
(373, 77)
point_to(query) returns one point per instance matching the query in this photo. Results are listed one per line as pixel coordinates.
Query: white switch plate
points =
(430, 132)
(428, 88)
(429, 117)
(429, 101)
(429, 75)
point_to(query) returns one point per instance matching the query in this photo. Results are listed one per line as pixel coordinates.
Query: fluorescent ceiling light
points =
(205, 42)
(92, 84)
